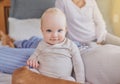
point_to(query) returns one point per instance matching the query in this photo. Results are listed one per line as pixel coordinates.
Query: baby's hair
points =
(53, 11)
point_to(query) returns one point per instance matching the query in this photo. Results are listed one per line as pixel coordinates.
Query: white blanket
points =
(5, 78)
(102, 65)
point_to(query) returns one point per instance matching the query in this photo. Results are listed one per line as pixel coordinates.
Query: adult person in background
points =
(86, 25)
(85, 22)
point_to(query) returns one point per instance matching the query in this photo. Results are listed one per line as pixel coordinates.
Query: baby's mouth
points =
(54, 39)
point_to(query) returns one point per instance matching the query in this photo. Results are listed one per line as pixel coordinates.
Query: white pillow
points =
(20, 29)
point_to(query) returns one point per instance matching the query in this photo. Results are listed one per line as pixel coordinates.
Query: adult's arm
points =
(99, 23)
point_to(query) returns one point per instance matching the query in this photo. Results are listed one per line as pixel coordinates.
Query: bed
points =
(24, 22)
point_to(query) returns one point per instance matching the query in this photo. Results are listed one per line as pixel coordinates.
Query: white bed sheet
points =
(5, 78)
(102, 64)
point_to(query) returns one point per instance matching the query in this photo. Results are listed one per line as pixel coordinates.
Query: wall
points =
(110, 11)
(116, 17)
(105, 8)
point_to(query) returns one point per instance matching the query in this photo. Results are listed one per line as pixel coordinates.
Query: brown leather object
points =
(24, 76)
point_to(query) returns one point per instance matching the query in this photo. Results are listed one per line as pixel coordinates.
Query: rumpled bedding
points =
(11, 57)
(30, 43)
(102, 64)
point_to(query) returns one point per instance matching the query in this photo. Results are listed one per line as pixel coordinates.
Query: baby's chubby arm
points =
(78, 65)
(33, 61)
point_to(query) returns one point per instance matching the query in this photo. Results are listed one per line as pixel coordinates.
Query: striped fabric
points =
(13, 58)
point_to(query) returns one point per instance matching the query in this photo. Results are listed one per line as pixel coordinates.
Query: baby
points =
(56, 56)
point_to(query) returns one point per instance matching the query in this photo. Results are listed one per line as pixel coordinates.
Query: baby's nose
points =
(55, 34)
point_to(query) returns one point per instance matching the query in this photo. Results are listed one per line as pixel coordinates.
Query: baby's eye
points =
(48, 30)
(60, 30)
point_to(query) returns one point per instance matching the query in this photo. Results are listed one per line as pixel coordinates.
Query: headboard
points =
(22, 9)
(4, 13)
(26, 9)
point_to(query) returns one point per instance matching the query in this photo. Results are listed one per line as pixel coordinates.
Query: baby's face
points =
(54, 29)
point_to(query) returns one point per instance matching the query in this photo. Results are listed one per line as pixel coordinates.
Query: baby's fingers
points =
(35, 64)
(30, 62)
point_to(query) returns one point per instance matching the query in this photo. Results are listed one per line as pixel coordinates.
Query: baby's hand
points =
(33, 63)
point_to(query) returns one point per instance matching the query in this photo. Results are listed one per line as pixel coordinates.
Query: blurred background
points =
(111, 13)
(110, 10)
